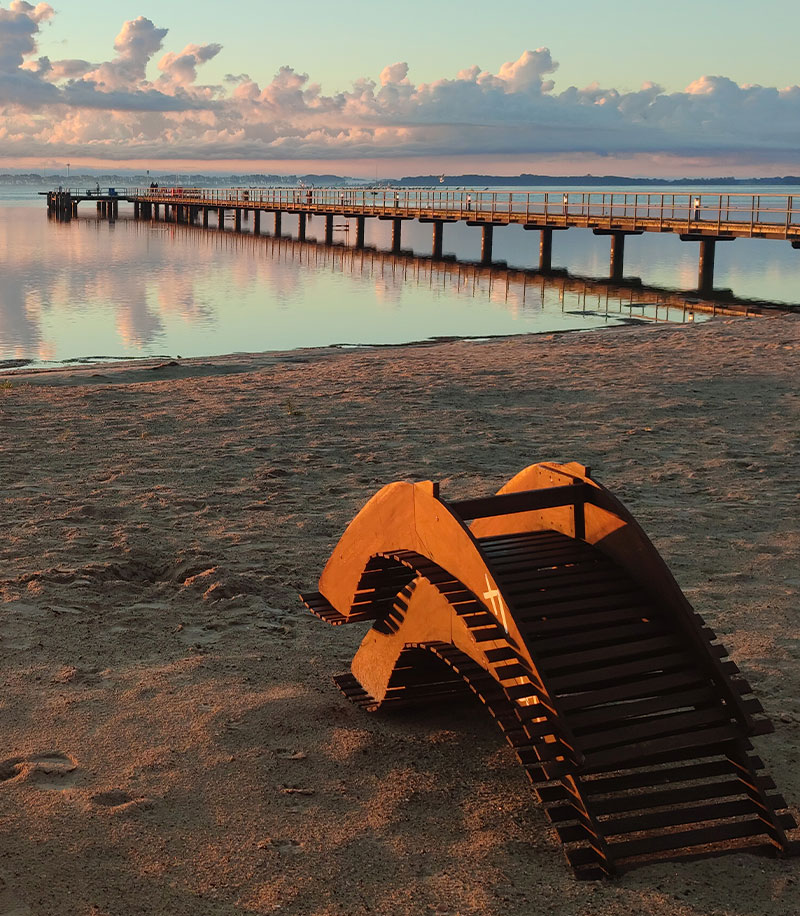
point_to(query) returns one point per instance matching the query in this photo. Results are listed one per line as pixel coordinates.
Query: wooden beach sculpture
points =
(550, 604)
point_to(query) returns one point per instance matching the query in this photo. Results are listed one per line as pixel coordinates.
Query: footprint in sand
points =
(52, 770)
(117, 800)
(55, 771)
(11, 768)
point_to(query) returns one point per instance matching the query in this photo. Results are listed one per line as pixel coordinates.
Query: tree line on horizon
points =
(441, 181)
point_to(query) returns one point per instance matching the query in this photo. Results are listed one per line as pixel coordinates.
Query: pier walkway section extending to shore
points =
(694, 217)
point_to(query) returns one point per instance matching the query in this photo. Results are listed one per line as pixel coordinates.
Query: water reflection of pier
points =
(518, 288)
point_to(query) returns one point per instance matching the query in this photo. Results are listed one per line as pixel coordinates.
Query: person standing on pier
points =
(696, 208)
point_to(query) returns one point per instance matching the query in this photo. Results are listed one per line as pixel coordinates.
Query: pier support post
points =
(221, 219)
(156, 215)
(237, 220)
(487, 238)
(617, 257)
(397, 233)
(360, 223)
(277, 232)
(256, 222)
(74, 207)
(100, 207)
(705, 267)
(301, 227)
(329, 228)
(136, 209)
(116, 209)
(438, 233)
(205, 217)
(545, 249)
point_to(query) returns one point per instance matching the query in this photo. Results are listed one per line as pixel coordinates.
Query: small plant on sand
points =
(6, 385)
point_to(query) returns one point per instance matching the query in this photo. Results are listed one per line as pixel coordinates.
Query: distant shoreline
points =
(26, 179)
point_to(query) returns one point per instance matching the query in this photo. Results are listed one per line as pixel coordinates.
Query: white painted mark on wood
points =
(495, 599)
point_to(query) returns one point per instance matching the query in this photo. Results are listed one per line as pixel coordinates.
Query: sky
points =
(625, 87)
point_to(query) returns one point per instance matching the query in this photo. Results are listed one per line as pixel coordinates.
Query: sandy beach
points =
(171, 741)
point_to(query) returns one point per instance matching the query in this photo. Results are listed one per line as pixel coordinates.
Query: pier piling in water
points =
(438, 232)
(616, 264)
(397, 233)
(487, 241)
(545, 249)
(617, 256)
(705, 267)
(708, 251)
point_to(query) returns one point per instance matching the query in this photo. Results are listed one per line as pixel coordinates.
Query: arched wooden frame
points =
(552, 604)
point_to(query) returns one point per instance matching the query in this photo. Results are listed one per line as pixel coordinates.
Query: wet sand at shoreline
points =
(171, 738)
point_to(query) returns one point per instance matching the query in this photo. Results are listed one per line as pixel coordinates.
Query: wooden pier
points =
(702, 218)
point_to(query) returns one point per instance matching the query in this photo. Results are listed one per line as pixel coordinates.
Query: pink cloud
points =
(51, 109)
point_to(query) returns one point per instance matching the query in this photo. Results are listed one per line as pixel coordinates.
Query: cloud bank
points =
(146, 102)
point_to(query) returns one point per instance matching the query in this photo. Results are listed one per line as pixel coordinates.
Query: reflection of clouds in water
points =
(141, 285)
(177, 294)
(19, 325)
(46, 351)
(52, 270)
(137, 325)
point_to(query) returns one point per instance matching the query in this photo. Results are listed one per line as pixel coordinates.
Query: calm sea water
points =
(91, 289)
